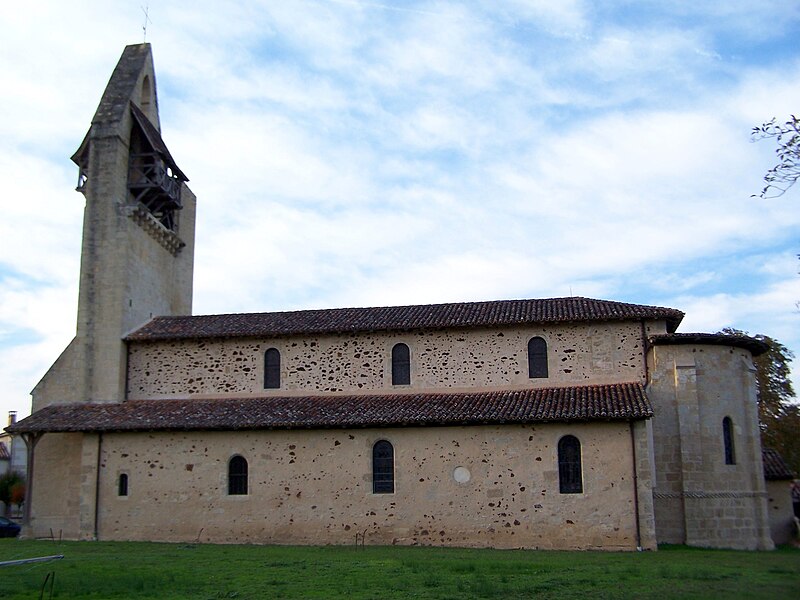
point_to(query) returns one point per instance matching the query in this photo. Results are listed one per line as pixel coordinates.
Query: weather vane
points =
(146, 11)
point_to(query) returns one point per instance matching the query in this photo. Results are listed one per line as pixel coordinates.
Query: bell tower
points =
(137, 254)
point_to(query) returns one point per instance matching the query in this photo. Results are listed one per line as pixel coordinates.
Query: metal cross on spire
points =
(146, 11)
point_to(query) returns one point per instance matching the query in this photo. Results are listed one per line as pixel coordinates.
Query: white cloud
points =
(357, 153)
(566, 18)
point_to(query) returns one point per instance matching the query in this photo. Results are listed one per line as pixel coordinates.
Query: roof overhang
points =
(754, 346)
(614, 402)
(459, 315)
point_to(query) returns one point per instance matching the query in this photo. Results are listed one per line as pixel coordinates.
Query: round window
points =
(461, 474)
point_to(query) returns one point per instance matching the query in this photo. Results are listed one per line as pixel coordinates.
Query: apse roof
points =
(755, 346)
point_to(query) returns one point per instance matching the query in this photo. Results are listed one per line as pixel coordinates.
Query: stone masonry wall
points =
(781, 511)
(56, 491)
(314, 487)
(578, 354)
(699, 499)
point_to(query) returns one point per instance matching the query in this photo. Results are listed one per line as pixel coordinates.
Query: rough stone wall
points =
(155, 281)
(700, 500)
(103, 266)
(578, 354)
(781, 511)
(642, 455)
(314, 487)
(57, 486)
(62, 383)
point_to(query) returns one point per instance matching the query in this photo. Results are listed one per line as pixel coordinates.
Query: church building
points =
(564, 423)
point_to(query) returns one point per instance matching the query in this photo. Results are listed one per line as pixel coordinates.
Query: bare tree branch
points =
(786, 173)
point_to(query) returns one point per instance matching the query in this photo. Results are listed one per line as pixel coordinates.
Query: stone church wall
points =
(451, 359)
(314, 487)
(781, 511)
(157, 281)
(56, 490)
(699, 499)
(63, 381)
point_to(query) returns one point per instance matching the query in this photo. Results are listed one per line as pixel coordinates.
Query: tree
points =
(778, 415)
(783, 436)
(17, 494)
(786, 173)
(8, 481)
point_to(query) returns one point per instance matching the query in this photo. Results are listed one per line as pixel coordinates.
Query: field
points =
(146, 570)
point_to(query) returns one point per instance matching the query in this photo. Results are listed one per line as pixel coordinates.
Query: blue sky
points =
(349, 153)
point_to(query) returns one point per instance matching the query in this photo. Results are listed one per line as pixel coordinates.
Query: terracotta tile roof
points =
(775, 469)
(622, 401)
(398, 318)
(712, 339)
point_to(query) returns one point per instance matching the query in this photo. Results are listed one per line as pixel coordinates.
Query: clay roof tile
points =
(399, 318)
(621, 401)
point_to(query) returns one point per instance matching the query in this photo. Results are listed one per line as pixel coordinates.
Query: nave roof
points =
(495, 313)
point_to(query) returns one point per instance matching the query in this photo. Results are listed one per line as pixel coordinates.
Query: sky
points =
(355, 153)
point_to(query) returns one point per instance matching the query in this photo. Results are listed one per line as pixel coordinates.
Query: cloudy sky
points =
(356, 153)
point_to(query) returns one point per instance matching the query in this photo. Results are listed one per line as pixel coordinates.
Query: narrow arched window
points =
(570, 479)
(122, 488)
(272, 369)
(145, 103)
(382, 468)
(727, 439)
(401, 365)
(237, 476)
(537, 358)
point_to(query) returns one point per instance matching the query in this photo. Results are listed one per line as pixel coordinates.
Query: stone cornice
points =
(145, 219)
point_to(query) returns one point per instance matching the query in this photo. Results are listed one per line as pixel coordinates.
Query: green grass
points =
(145, 570)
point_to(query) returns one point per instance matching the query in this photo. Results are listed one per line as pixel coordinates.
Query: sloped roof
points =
(117, 94)
(775, 468)
(399, 318)
(712, 339)
(154, 138)
(615, 402)
(121, 84)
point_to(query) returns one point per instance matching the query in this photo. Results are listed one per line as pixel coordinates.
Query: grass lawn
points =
(146, 570)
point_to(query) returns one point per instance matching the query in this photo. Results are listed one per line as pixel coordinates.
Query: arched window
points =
(570, 480)
(537, 358)
(382, 468)
(727, 439)
(145, 103)
(272, 369)
(237, 476)
(401, 365)
(122, 489)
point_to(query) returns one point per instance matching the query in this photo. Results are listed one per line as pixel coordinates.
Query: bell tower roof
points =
(128, 110)
(133, 71)
(133, 82)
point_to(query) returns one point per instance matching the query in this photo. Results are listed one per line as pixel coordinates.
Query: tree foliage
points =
(786, 173)
(17, 493)
(9, 482)
(778, 415)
